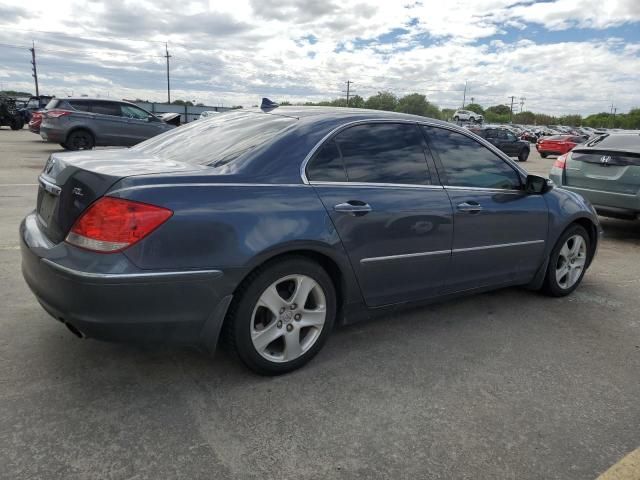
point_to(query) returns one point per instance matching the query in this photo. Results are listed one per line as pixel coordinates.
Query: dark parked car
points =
(9, 114)
(83, 123)
(271, 227)
(506, 141)
(606, 171)
(34, 104)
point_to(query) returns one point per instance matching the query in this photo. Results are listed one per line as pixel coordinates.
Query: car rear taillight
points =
(113, 224)
(561, 161)
(57, 113)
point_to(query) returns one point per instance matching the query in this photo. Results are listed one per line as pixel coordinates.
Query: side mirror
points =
(152, 118)
(537, 185)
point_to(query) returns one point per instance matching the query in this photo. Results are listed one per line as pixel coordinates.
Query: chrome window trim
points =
(485, 189)
(129, 276)
(371, 184)
(499, 245)
(448, 252)
(453, 128)
(405, 255)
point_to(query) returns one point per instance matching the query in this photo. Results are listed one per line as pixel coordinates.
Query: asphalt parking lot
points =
(508, 384)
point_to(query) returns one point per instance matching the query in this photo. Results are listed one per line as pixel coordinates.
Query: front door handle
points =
(469, 207)
(353, 207)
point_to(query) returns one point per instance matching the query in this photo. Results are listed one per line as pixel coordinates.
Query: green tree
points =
(499, 110)
(382, 101)
(570, 120)
(356, 101)
(417, 104)
(447, 113)
(475, 108)
(527, 118)
(188, 103)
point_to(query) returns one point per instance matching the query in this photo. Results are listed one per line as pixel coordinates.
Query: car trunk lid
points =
(606, 170)
(70, 182)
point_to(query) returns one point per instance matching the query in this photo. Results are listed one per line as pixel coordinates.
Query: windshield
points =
(217, 140)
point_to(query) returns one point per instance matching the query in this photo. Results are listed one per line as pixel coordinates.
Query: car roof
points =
(94, 99)
(339, 113)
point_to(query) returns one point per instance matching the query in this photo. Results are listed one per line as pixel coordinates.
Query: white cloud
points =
(237, 51)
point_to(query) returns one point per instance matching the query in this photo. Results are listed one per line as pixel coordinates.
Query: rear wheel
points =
(456, 119)
(282, 316)
(79, 140)
(568, 262)
(523, 155)
(544, 155)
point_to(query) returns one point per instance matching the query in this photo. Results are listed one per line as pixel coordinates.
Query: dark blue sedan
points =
(269, 227)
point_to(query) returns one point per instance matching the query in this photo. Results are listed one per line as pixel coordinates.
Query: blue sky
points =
(562, 56)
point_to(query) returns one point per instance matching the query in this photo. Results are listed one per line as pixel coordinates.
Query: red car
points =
(34, 123)
(557, 144)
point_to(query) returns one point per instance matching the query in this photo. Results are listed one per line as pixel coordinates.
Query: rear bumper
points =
(52, 134)
(610, 204)
(119, 302)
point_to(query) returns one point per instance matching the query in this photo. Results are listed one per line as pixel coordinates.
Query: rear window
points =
(218, 140)
(629, 142)
(556, 138)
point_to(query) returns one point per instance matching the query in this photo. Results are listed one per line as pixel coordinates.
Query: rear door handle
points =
(353, 207)
(469, 207)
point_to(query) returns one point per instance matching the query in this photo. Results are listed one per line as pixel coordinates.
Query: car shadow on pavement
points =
(624, 230)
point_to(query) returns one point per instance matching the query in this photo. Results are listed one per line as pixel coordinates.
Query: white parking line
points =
(18, 184)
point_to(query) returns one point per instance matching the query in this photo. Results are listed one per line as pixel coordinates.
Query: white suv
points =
(467, 116)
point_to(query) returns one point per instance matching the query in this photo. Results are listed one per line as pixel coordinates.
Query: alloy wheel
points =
(288, 318)
(571, 261)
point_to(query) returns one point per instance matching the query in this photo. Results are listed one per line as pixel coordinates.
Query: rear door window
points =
(327, 165)
(106, 108)
(384, 153)
(467, 163)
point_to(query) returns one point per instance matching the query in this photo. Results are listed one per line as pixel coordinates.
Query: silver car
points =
(606, 171)
(467, 116)
(83, 123)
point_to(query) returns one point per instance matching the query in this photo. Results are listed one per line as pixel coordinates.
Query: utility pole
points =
(472, 100)
(522, 99)
(35, 70)
(167, 56)
(348, 82)
(512, 97)
(464, 95)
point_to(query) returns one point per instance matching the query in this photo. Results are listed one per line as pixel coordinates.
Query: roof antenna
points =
(268, 104)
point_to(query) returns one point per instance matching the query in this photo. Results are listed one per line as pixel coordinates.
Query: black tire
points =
(17, 124)
(238, 324)
(79, 140)
(64, 145)
(544, 155)
(551, 285)
(456, 119)
(523, 155)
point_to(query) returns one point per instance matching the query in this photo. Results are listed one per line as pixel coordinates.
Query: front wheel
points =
(456, 119)
(544, 155)
(282, 316)
(568, 262)
(523, 155)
